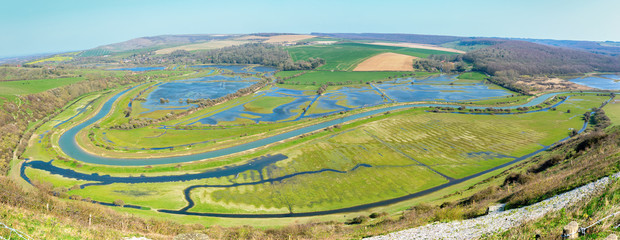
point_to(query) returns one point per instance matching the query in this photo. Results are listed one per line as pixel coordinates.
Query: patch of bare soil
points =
(387, 62)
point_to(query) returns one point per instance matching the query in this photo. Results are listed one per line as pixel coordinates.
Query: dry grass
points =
(387, 62)
(252, 38)
(417, 45)
(287, 38)
(202, 46)
(543, 84)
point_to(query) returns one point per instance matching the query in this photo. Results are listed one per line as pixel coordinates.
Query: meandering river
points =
(69, 145)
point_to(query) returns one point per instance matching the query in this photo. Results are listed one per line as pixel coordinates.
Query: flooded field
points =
(307, 104)
(605, 82)
(174, 95)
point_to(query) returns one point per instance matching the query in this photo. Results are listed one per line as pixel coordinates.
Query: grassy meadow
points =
(381, 157)
(403, 153)
(321, 77)
(9, 90)
(345, 56)
(612, 110)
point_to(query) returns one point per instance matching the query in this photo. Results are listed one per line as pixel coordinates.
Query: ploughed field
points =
(376, 143)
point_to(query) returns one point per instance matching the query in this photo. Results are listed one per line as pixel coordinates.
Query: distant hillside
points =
(413, 38)
(531, 58)
(606, 48)
(149, 42)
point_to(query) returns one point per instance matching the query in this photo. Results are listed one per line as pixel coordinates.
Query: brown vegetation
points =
(287, 38)
(532, 84)
(531, 59)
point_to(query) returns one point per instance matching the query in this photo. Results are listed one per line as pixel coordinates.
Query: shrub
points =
(377, 215)
(357, 220)
(518, 178)
(552, 161)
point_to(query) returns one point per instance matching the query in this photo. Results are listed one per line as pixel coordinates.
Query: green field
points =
(95, 52)
(265, 104)
(9, 90)
(283, 74)
(400, 152)
(456, 145)
(345, 56)
(473, 76)
(366, 160)
(612, 110)
(321, 77)
(34, 86)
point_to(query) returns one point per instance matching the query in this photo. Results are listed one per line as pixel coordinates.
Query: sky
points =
(36, 26)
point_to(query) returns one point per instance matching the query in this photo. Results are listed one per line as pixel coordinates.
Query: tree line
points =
(527, 58)
(441, 63)
(251, 53)
(14, 73)
(510, 62)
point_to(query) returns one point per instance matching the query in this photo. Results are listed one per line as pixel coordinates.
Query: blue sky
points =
(36, 26)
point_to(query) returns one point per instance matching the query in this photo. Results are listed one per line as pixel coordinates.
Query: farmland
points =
(227, 142)
(9, 90)
(288, 38)
(52, 59)
(34, 86)
(613, 111)
(387, 62)
(409, 146)
(322, 77)
(345, 56)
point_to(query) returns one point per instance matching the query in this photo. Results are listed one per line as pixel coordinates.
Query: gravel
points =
(500, 221)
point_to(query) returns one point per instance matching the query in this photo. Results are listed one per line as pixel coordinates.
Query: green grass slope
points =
(345, 56)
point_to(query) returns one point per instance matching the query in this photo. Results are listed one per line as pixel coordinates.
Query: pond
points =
(605, 82)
